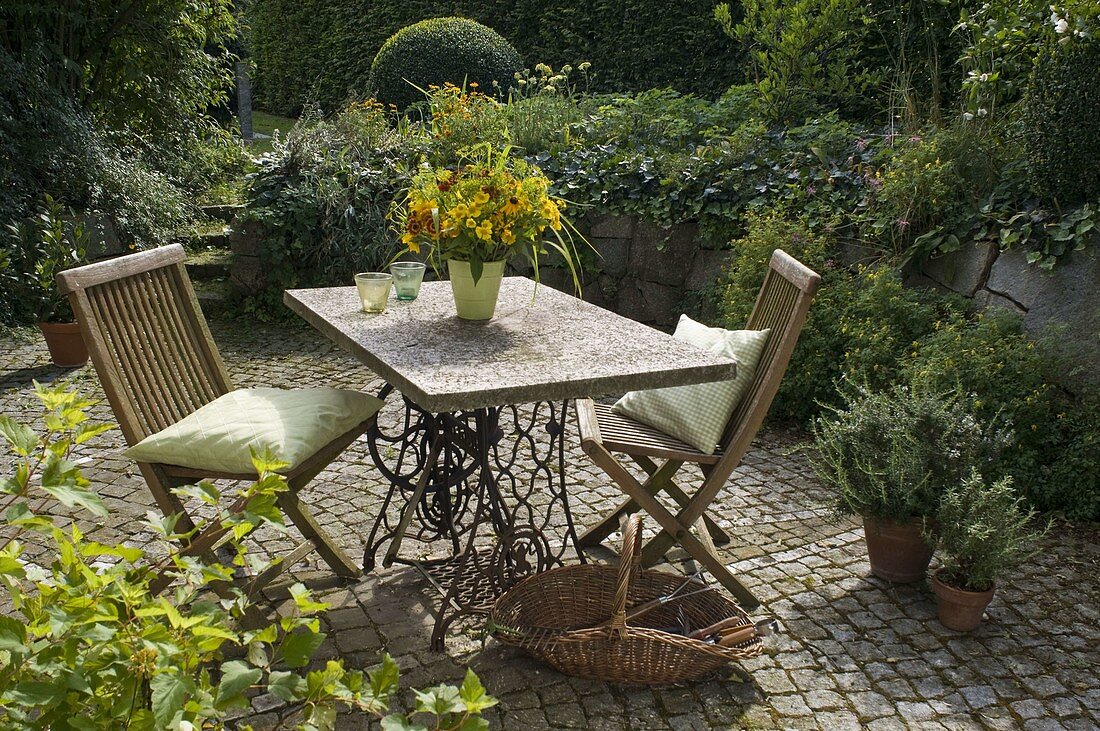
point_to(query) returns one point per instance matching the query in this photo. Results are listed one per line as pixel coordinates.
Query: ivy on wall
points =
(320, 51)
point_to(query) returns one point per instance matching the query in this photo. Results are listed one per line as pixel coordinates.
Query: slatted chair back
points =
(147, 338)
(782, 305)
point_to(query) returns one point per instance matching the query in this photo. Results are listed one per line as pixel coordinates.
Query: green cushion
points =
(293, 424)
(697, 415)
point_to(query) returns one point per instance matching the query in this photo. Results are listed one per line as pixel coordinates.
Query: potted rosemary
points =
(890, 456)
(983, 532)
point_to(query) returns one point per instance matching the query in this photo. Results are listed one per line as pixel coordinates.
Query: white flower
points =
(968, 116)
(983, 78)
(1062, 26)
(982, 112)
(186, 726)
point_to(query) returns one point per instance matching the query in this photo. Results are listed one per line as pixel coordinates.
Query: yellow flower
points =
(551, 213)
(481, 198)
(459, 212)
(485, 231)
(508, 236)
(471, 223)
(511, 206)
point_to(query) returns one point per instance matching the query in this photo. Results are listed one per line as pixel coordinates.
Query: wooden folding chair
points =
(782, 305)
(152, 349)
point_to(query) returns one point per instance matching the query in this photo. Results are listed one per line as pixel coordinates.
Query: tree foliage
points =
(145, 66)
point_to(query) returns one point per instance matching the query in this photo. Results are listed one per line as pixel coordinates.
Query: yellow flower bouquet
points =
(484, 213)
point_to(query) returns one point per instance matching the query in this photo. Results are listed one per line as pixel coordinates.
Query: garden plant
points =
(90, 647)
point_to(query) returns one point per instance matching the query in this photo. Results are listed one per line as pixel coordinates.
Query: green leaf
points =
(90, 431)
(13, 635)
(299, 646)
(286, 686)
(473, 723)
(32, 693)
(383, 679)
(400, 722)
(236, 678)
(304, 600)
(169, 692)
(323, 717)
(257, 655)
(22, 438)
(473, 694)
(440, 700)
(10, 566)
(71, 496)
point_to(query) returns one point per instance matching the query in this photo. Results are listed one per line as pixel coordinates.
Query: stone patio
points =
(853, 652)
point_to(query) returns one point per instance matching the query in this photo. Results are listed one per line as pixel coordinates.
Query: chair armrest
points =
(587, 422)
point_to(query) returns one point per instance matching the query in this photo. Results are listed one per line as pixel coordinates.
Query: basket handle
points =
(629, 561)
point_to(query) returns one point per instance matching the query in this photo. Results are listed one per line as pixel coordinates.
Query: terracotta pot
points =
(897, 549)
(959, 609)
(66, 344)
(475, 301)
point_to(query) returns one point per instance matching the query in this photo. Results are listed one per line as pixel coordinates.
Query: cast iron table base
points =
(488, 482)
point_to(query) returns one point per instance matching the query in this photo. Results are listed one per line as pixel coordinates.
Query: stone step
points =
(214, 296)
(223, 212)
(209, 264)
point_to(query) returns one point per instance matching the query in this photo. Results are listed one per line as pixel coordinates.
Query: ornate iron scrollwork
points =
(492, 493)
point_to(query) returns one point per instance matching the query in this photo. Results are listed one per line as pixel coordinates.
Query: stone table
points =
(454, 461)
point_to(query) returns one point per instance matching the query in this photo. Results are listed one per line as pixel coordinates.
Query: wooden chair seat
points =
(622, 434)
(781, 306)
(158, 363)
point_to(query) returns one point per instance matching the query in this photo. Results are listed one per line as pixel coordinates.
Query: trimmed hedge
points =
(321, 50)
(440, 50)
(1062, 123)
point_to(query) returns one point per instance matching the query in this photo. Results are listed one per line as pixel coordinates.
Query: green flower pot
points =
(475, 301)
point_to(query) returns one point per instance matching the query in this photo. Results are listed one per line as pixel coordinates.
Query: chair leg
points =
(671, 524)
(333, 555)
(717, 534)
(658, 479)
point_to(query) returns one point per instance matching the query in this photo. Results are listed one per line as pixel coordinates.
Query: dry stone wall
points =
(644, 271)
(1062, 304)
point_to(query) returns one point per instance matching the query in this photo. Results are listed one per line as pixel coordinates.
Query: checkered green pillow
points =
(697, 415)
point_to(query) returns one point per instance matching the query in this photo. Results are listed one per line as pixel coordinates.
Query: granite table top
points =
(542, 345)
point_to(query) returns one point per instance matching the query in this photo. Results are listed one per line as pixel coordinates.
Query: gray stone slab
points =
(544, 345)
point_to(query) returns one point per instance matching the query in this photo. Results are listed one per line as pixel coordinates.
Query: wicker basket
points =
(575, 619)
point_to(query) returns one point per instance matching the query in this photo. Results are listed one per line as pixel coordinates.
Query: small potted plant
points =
(891, 456)
(472, 219)
(39, 248)
(983, 532)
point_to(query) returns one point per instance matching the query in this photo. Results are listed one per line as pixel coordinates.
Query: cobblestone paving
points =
(854, 651)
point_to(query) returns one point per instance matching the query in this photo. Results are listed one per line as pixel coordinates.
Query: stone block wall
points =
(643, 271)
(1062, 304)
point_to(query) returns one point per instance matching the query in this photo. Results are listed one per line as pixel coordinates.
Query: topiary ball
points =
(1062, 123)
(440, 50)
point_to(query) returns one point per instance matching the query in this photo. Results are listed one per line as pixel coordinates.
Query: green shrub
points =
(1061, 122)
(321, 200)
(803, 53)
(859, 324)
(892, 454)
(983, 532)
(437, 51)
(1011, 381)
(48, 145)
(929, 185)
(84, 643)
